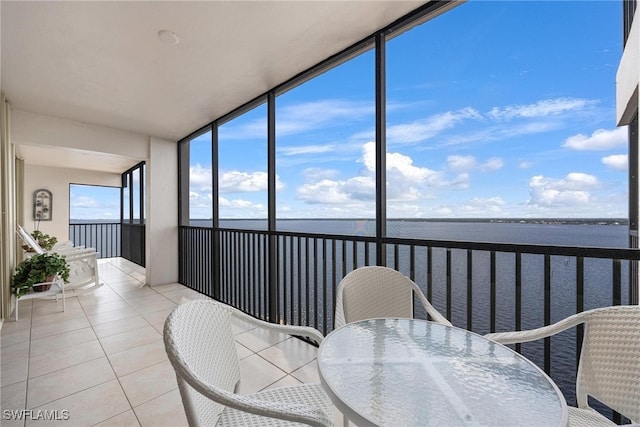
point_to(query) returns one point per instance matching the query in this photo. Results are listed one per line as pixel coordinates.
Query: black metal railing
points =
(309, 267)
(133, 242)
(483, 287)
(104, 237)
(195, 259)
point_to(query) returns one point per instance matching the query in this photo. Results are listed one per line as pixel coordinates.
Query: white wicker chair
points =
(609, 367)
(200, 344)
(374, 291)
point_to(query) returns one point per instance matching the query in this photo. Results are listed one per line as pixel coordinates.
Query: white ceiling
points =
(102, 62)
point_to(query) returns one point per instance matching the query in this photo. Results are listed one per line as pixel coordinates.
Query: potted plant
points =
(39, 268)
(45, 241)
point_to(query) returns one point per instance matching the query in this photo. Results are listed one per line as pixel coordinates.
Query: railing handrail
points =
(524, 248)
(94, 223)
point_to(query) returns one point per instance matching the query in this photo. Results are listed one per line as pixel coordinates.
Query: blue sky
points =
(92, 202)
(495, 109)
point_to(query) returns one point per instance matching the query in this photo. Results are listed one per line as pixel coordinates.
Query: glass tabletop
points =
(406, 372)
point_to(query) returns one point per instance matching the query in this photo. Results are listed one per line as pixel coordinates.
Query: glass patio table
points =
(410, 372)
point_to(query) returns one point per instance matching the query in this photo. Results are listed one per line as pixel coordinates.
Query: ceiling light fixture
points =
(168, 37)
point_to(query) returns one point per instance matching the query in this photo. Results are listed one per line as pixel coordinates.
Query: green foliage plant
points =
(36, 269)
(45, 241)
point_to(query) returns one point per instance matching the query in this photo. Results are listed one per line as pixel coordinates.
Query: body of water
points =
(596, 233)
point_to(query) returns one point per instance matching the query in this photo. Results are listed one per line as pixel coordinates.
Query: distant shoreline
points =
(580, 221)
(594, 221)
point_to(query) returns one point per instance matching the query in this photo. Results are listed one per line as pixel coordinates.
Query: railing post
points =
(470, 289)
(547, 311)
(216, 276)
(215, 270)
(634, 214)
(271, 218)
(381, 152)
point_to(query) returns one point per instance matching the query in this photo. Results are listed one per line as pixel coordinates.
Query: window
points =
(242, 173)
(514, 117)
(325, 151)
(195, 156)
(93, 203)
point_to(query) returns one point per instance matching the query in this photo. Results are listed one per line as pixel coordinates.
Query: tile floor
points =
(102, 362)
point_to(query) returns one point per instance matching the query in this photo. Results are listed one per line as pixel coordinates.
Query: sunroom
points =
(266, 149)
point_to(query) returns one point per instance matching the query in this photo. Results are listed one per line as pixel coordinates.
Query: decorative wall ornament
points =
(42, 205)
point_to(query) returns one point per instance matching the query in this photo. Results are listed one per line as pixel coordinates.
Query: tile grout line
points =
(131, 407)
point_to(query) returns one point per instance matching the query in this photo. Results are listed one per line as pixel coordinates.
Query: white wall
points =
(57, 180)
(628, 76)
(37, 129)
(162, 220)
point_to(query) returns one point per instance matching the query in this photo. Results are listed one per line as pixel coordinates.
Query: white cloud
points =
(83, 202)
(501, 132)
(469, 163)
(461, 181)
(482, 207)
(240, 208)
(86, 207)
(246, 182)
(461, 163)
(200, 193)
(314, 173)
(236, 181)
(306, 149)
(326, 192)
(297, 118)
(398, 165)
(200, 177)
(600, 139)
(361, 188)
(574, 189)
(542, 108)
(525, 164)
(237, 203)
(444, 211)
(402, 166)
(409, 186)
(616, 161)
(255, 129)
(406, 182)
(492, 164)
(404, 210)
(421, 130)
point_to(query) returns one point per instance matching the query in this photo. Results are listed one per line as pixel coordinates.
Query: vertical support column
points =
(124, 183)
(183, 182)
(634, 209)
(141, 184)
(157, 240)
(381, 151)
(12, 182)
(216, 283)
(131, 196)
(271, 220)
(184, 155)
